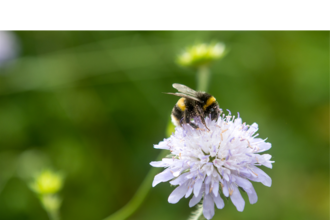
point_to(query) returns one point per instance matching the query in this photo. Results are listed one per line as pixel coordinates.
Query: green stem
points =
(140, 194)
(198, 213)
(51, 204)
(53, 215)
(203, 78)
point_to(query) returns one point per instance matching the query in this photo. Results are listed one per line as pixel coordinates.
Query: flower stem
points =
(139, 196)
(203, 78)
(198, 213)
(53, 215)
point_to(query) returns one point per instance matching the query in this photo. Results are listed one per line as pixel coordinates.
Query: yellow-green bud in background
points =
(201, 54)
(47, 182)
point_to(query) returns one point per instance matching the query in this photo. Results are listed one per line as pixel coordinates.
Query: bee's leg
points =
(186, 119)
(194, 125)
(203, 121)
(200, 112)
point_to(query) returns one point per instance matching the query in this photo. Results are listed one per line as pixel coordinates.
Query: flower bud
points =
(47, 182)
(201, 54)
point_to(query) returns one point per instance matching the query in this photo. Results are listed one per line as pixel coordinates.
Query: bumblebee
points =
(193, 104)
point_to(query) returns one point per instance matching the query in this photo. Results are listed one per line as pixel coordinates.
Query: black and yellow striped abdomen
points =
(177, 112)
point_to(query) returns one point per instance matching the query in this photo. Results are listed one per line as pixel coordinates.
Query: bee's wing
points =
(185, 96)
(185, 89)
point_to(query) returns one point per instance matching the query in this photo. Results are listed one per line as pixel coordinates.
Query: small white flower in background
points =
(215, 163)
(9, 47)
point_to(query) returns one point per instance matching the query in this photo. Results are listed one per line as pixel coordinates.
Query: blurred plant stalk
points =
(51, 203)
(139, 196)
(198, 57)
(203, 78)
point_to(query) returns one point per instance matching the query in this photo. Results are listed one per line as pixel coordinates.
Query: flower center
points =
(212, 158)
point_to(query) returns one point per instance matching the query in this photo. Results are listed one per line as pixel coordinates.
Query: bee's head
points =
(215, 112)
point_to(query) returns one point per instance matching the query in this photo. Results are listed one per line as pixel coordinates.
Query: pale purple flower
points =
(215, 163)
(9, 46)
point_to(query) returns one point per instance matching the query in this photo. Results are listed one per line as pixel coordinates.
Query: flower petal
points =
(164, 176)
(162, 145)
(218, 202)
(264, 160)
(157, 164)
(238, 121)
(253, 197)
(237, 199)
(225, 189)
(198, 186)
(208, 206)
(262, 177)
(177, 194)
(190, 189)
(257, 175)
(216, 188)
(244, 183)
(264, 146)
(180, 180)
(253, 128)
(164, 163)
(207, 188)
(194, 200)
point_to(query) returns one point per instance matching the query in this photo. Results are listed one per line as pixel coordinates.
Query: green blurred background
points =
(90, 104)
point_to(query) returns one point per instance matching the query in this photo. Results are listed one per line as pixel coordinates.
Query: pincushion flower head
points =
(210, 165)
